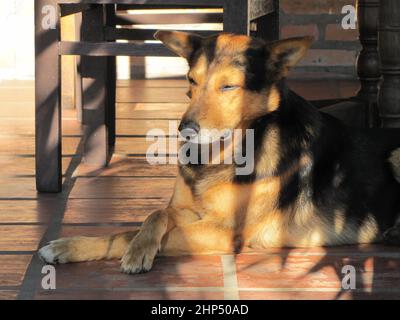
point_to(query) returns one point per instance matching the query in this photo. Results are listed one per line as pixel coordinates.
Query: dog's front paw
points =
(56, 252)
(139, 257)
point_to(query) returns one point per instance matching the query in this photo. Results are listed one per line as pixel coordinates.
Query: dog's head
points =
(232, 77)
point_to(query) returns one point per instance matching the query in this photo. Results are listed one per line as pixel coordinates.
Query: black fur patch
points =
(289, 192)
(255, 67)
(205, 46)
(209, 48)
(196, 43)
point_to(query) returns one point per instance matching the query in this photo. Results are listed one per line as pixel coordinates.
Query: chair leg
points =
(47, 97)
(94, 70)
(368, 60)
(78, 77)
(389, 50)
(111, 83)
(111, 101)
(236, 16)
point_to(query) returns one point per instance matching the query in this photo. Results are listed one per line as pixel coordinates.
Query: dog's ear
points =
(285, 54)
(182, 43)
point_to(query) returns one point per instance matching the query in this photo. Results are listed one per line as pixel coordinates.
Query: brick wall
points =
(335, 49)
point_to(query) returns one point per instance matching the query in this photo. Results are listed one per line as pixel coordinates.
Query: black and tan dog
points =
(315, 181)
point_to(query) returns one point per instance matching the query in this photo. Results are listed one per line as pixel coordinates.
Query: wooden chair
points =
(261, 20)
(97, 49)
(377, 103)
(257, 17)
(361, 110)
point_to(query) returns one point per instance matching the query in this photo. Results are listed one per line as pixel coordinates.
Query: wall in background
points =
(335, 49)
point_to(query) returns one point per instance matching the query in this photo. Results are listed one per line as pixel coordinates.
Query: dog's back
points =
(347, 192)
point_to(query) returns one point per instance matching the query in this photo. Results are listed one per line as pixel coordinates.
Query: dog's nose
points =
(189, 127)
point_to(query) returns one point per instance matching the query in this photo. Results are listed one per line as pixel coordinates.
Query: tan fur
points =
(77, 249)
(235, 109)
(273, 100)
(177, 42)
(299, 47)
(368, 230)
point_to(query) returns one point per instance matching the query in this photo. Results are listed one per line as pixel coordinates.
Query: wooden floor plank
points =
(181, 272)
(26, 146)
(365, 250)
(17, 109)
(318, 272)
(156, 111)
(27, 211)
(11, 188)
(139, 146)
(111, 210)
(165, 106)
(123, 188)
(128, 295)
(23, 94)
(26, 126)
(8, 294)
(10, 83)
(145, 127)
(152, 83)
(12, 269)
(309, 294)
(293, 295)
(15, 166)
(121, 166)
(20, 238)
(93, 231)
(152, 95)
(17, 145)
(24, 111)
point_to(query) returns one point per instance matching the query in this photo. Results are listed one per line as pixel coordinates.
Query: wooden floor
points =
(95, 202)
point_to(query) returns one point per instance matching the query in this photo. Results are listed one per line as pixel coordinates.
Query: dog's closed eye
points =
(229, 88)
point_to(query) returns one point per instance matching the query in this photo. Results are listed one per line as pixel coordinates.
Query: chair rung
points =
(211, 3)
(112, 33)
(124, 19)
(73, 9)
(104, 49)
(162, 6)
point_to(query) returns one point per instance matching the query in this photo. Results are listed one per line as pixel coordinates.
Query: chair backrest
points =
(139, 22)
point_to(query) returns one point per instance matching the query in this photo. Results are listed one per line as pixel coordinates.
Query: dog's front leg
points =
(143, 248)
(201, 237)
